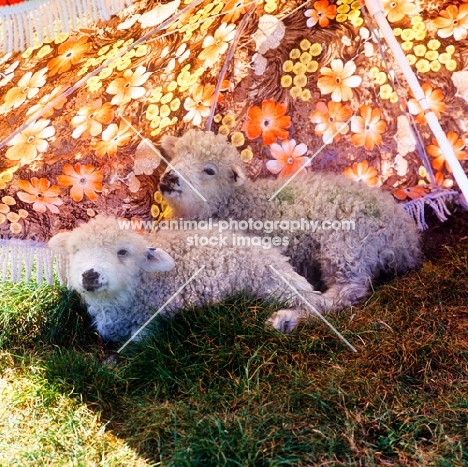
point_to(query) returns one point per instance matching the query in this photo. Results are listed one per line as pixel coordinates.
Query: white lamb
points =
(338, 262)
(125, 280)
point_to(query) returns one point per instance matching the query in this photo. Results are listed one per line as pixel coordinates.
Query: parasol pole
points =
(376, 10)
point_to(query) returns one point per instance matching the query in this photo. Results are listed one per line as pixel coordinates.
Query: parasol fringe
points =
(437, 201)
(18, 258)
(48, 18)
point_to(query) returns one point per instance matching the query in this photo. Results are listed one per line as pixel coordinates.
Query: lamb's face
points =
(106, 271)
(106, 264)
(193, 187)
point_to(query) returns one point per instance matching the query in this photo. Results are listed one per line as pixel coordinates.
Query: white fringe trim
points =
(48, 18)
(18, 258)
(437, 200)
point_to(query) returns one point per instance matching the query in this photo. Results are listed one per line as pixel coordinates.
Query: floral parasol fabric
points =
(284, 80)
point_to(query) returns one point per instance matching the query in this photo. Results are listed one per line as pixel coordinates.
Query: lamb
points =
(124, 279)
(206, 179)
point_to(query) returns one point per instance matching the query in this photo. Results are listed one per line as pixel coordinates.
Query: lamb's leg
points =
(310, 305)
(347, 270)
(340, 295)
(302, 297)
(286, 319)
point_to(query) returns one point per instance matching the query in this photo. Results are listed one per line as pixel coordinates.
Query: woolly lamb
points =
(124, 281)
(340, 263)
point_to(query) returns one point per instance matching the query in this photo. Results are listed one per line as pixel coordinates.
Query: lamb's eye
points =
(210, 169)
(122, 253)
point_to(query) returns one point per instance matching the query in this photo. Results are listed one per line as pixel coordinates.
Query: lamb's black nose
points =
(90, 280)
(169, 181)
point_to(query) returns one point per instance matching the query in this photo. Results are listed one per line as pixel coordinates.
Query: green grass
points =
(41, 426)
(214, 387)
(32, 313)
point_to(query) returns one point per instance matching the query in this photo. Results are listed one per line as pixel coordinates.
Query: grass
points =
(41, 426)
(215, 388)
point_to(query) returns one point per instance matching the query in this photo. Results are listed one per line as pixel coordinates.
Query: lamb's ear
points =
(237, 175)
(168, 144)
(59, 243)
(157, 260)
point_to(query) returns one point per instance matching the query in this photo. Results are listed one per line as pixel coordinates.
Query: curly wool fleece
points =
(341, 262)
(124, 280)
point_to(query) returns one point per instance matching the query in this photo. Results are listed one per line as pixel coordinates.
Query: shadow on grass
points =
(32, 314)
(213, 387)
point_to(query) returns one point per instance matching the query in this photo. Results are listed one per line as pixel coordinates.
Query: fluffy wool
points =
(125, 277)
(206, 179)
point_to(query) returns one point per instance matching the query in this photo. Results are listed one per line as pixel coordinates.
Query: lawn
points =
(214, 387)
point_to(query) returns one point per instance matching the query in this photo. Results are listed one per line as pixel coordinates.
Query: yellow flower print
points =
(7, 176)
(246, 155)
(94, 83)
(237, 139)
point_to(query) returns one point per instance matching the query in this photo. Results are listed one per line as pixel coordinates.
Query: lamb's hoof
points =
(285, 320)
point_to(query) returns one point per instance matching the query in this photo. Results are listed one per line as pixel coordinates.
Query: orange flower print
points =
(362, 172)
(439, 159)
(234, 9)
(434, 98)
(199, 103)
(338, 80)
(452, 21)
(368, 128)
(129, 86)
(113, 137)
(396, 10)
(6, 176)
(90, 119)
(439, 179)
(270, 121)
(215, 46)
(412, 192)
(226, 85)
(40, 194)
(26, 145)
(443, 182)
(289, 158)
(84, 179)
(330, 120)
(322, 13)
(44, 100)
(27, 87)
(70, 53)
